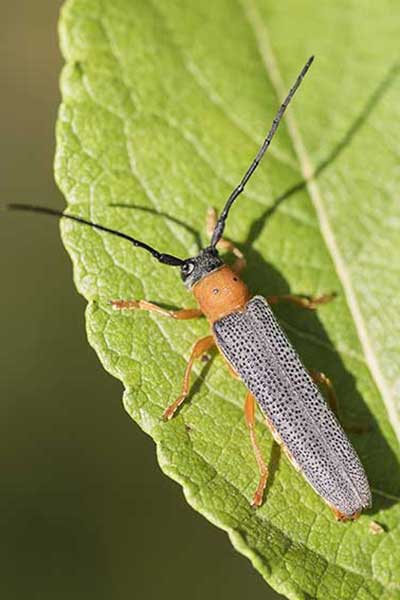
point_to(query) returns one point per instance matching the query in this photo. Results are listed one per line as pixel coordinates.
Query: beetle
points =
(257, 351)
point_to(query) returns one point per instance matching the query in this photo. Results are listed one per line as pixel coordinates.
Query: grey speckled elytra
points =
(255, 345)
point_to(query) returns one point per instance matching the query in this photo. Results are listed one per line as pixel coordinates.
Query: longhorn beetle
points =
(245, 331)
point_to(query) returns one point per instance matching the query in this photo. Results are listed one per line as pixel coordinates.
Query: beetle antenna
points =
(220, 225)
(166, 259)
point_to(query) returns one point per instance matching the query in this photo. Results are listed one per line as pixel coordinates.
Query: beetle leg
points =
(183, 313)
(199, 348)
(310, 302)
(240, 262)
(342, 517)
(321, 379)
(249, 412)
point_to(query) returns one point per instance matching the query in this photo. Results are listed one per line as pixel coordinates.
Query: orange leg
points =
(240, 262)
(249, 412)
(199, 348)
(321, 379)
(341, 517)
(310, 302)
(183, 313)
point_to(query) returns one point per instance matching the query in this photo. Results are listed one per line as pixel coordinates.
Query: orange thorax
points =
(220, 293)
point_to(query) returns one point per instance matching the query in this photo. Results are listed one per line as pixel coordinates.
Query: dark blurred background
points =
(85, 511)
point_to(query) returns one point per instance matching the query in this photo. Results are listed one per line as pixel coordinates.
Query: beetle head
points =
(197, 267)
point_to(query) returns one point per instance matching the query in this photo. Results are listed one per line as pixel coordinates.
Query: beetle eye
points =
(187, 268)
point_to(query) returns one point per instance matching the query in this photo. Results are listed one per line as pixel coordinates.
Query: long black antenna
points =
(220, 225)
(166, 259)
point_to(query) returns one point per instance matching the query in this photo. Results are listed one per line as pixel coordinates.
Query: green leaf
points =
(164, 106)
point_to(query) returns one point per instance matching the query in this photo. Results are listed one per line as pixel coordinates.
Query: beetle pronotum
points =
(247, 334)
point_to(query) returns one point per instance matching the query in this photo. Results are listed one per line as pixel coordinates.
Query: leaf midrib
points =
(269, 61)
